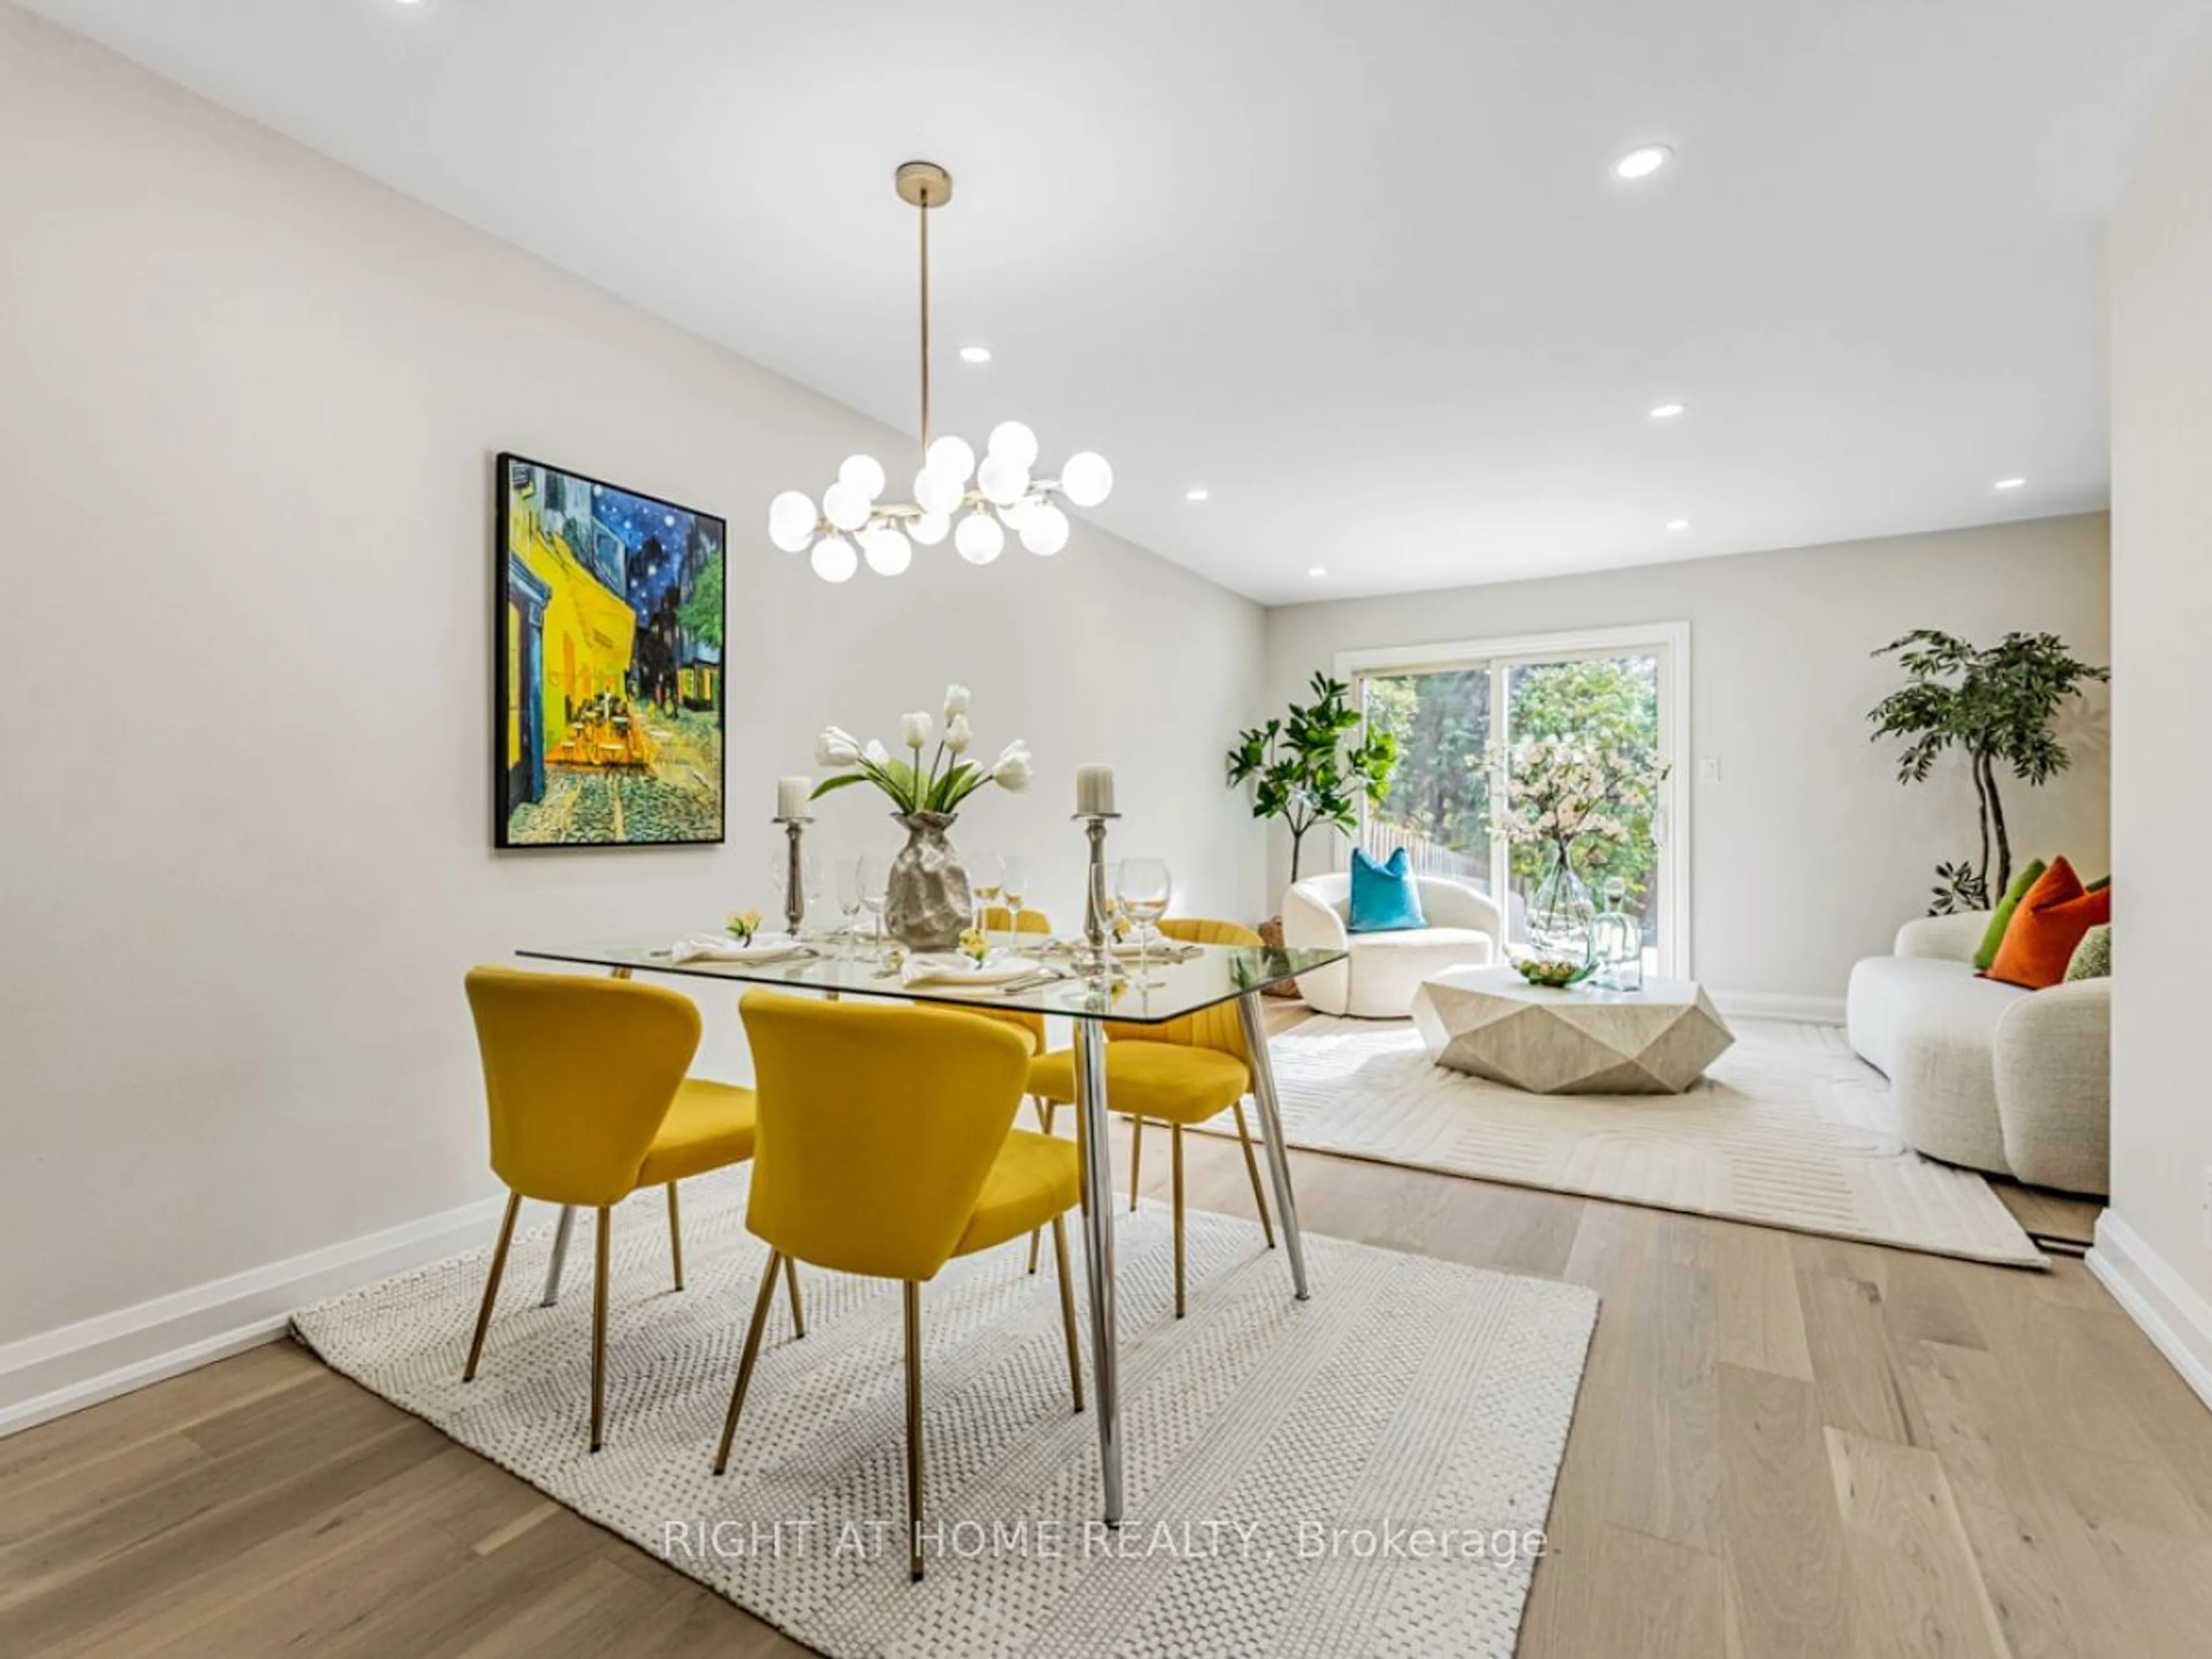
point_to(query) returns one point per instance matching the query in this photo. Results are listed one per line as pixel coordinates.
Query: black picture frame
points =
(674, 675)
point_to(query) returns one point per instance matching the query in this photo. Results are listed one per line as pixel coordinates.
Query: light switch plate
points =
(1708, 771)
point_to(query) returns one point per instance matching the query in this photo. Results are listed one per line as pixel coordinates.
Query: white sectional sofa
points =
(2014, 1082)
(1378, 980)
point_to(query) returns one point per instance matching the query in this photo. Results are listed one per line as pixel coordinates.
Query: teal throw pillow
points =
(1384, 897)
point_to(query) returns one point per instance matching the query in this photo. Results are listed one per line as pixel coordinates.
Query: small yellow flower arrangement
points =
(742, 925)
(975, 946)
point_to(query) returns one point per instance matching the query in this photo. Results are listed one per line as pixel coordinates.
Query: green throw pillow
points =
(2003, 920)
(2093, 957)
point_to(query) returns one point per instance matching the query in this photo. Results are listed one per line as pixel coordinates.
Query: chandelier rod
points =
(924, 210)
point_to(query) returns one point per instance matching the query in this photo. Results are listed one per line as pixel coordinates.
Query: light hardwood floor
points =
(1783, 1445)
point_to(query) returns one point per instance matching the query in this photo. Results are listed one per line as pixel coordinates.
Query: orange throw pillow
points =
(2047, 925)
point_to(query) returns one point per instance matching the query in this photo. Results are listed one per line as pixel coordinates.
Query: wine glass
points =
(1108, 909)
(984, 878)
(810, 885)
(848, 897)
(1013, 883)
(875, 893)
(1143, 887)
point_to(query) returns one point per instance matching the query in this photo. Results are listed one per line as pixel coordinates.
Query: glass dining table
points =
(1164, 989)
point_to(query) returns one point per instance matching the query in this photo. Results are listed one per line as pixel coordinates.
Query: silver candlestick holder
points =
(1094, 917)
(794, 882)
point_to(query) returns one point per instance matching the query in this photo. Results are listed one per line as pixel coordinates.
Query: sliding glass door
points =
(1461, 713)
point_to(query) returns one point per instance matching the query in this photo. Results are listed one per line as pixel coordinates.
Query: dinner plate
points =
(945, 969)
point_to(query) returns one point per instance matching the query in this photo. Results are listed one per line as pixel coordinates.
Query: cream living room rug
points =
(1788, 1129)
(1365, 1473)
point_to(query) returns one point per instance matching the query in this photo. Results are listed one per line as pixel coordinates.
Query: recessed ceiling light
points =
(1316, 571)
(1643, 162)
(1196, 494)
(1668, 411)
(2011, 483)
(1678, 524)
(975, 354)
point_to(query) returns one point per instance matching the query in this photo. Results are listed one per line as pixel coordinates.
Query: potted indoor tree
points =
(1997, 706)
(1311, 767)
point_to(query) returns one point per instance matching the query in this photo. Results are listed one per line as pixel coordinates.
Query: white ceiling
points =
(1361, 270)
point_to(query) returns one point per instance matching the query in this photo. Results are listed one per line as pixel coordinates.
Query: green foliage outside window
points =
(1609, 704)
(1442, 723)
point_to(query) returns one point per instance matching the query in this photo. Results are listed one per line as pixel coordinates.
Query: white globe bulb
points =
(936, 491)
(844, 505)
(1002, 479)
(930, 528)
(834, 560)
(865, 473)
(952, 457)
(1086, 479)
(791, 518)
(1046, 532)
(978, 538)
(888, 552)
(1015, 442)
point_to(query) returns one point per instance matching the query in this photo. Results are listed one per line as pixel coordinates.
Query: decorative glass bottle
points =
(1619, 942)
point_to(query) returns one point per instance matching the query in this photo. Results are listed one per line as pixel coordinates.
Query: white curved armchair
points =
(1378, 978)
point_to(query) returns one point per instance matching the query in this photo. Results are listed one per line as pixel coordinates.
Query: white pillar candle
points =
(792, 795)
(1094, 791)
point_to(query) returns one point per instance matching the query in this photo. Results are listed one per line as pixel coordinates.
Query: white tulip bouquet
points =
(949, 778)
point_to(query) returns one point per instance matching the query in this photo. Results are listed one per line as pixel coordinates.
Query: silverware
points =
(1033, 982)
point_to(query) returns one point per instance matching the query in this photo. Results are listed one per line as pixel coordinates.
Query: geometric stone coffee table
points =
(1492, 1023)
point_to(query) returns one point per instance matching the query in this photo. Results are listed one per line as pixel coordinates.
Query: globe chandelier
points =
(974, 504)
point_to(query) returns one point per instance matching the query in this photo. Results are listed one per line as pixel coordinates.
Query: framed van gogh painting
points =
(608, 705)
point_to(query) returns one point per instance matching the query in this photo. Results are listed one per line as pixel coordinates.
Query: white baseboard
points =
(2171, 1313)
(1766, 1005)
(59, 1371)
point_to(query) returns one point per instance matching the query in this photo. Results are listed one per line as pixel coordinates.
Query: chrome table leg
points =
(560, 1256)
(1271, 1131)
(1099, 1255)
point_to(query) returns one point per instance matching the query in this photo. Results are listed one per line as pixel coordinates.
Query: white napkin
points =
(951, 969)
(725, 947)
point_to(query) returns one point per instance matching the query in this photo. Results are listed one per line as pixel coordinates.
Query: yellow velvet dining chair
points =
(997, 919)
(887, 1148)
(589, 1103)
(1179, 1073)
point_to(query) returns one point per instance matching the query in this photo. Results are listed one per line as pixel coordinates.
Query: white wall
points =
(1807, 854)
(2155, 1246)
(248, 406)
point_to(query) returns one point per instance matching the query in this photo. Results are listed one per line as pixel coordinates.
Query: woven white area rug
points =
(1788, 1128)
(1366, 1473)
